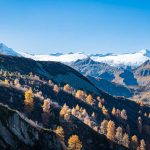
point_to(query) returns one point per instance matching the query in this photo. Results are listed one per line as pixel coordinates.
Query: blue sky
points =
(90, 26)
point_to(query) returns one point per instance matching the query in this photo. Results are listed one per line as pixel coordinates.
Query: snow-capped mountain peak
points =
(128, 59)
(7, 51)
(70, 57)
(145, 52)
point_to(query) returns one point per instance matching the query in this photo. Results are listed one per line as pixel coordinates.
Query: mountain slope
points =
(50, 120)
(7, 51)
(142, 73)
(101, 70)
(14, 97)
(95, 69)
(56, 71)
(111, 88)
(18, 132)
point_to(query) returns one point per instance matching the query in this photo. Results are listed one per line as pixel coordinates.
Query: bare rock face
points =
(142, 73)
(18, 132)
(143, 70)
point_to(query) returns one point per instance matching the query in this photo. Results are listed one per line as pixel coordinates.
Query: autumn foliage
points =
(74, 143)
(111, 130)
(46, 105)
(60, 132)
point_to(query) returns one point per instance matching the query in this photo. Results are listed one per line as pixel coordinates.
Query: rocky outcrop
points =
(142, 74)
(18, 132)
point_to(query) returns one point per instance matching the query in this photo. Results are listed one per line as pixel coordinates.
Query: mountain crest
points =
(145, 52)
(7, 51)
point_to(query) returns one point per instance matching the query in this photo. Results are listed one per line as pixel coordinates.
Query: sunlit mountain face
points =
(7, 51)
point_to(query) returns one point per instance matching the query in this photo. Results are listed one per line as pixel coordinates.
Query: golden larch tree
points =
(60, 132)
(46, 105)
(100, 104)
(84, 113)
(80, 94)
(28, 101)
(134, 142)
(74, 143)
(65, 112)
(103, 127)
(125, 140)
(98, 98)
(73, 111)
(119, 135)
(124, 114)
(56, 88)
(105, 111)
(77, 108)
(113, 111)
(89, 99)
(68, 88)
(111, 130)
(87, 121)
(16, 81)
(142, 145)
(6, 82)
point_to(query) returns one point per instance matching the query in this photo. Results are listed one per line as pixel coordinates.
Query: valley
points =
(51, 102)
(89, 103)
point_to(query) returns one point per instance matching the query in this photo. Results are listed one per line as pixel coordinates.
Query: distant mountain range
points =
(126, 73)
(117, 81)
(119, 60)
(124, 60)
